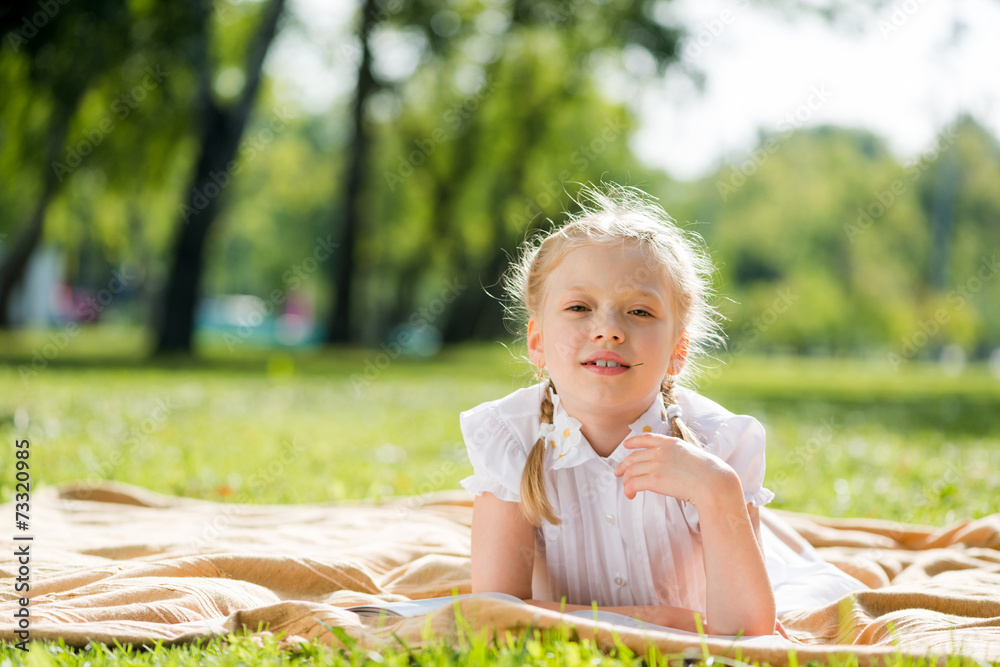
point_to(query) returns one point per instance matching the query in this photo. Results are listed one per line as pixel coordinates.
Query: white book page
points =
(420, 607)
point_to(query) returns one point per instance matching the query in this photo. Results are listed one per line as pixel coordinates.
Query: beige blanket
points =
(121, 563)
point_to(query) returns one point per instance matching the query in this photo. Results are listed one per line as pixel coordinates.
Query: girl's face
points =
(606, 310)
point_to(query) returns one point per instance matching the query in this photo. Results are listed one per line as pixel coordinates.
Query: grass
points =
(845, 438)
(531, 648)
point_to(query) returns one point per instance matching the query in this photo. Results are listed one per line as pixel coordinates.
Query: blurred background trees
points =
(157, 173)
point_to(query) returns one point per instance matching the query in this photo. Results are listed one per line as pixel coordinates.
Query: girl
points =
(609, 482)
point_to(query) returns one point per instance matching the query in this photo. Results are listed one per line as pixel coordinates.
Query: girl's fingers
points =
(646, 450)
(636, 483)
(649, 440)
(636, 468)
(631, 460)
(642, 441)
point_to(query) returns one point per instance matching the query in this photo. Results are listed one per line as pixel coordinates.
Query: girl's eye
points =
(577, 308)
(641, 312)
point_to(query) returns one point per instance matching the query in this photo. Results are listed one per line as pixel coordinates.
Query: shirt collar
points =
(565, 446)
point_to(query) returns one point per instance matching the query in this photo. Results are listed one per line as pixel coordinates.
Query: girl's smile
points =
(607, 363)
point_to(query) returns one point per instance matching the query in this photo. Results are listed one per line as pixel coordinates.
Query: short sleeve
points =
(497, 456)
(739, 441)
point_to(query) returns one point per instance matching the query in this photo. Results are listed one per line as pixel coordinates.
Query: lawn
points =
(846, 437)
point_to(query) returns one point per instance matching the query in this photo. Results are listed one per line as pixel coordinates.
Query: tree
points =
(48, 37)
(339, 327)
(447, 33)
(221, 127)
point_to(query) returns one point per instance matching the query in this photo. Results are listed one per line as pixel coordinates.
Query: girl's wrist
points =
(722, 488)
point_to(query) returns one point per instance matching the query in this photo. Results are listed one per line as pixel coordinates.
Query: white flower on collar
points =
(650, 421)
(564, 443)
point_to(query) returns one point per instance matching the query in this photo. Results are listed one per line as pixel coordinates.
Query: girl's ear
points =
(679, 356)
(536, 351)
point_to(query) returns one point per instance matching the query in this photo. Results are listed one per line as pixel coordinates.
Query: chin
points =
(606, 397)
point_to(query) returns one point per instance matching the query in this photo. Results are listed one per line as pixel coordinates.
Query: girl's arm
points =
(503, 547)
(671, 617)
(739, 595)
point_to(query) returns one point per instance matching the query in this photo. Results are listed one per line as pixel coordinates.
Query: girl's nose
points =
(607, 327)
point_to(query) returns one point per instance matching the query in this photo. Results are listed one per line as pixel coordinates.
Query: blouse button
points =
(610, 518)
(619, 580)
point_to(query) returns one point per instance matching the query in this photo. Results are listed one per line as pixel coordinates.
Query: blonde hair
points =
(609, 216)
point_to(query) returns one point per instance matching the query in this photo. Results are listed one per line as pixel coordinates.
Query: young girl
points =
(609, 481)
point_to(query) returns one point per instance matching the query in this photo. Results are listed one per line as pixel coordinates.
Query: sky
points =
(899, 72)
(903, 71)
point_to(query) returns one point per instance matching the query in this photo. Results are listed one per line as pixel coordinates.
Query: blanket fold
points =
(116, 562)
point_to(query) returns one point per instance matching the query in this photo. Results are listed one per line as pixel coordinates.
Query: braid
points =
(535, 503)
(679, 428)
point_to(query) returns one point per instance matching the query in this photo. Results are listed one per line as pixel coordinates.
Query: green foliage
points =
(825, 242)
(280, 204)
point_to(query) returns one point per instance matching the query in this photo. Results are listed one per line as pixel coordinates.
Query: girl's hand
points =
(669, 466)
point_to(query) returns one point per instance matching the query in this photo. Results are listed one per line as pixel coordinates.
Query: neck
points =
(605, 430)
(604, 433)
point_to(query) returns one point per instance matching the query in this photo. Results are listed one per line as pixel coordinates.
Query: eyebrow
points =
(649, 294)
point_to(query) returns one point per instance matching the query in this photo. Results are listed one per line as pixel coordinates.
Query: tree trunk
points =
(340, 329)
(222, 129)
(15, 263)
(944, 192)
(476, 312)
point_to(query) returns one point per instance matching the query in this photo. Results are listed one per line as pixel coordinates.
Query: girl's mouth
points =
(605, 367)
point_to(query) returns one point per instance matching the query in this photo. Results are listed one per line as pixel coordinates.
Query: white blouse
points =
(609, 549)
(617, 551)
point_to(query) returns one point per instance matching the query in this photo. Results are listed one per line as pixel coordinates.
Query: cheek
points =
(654, 347)
(562, 343)
(564, 349)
